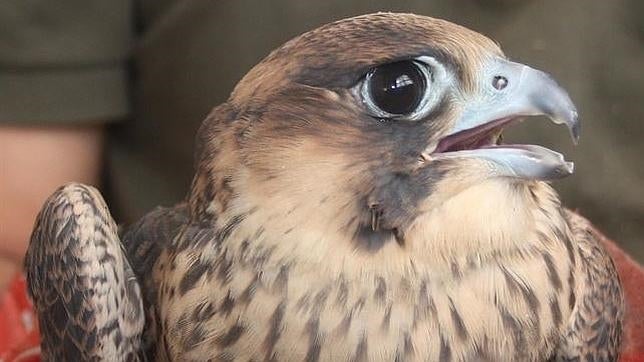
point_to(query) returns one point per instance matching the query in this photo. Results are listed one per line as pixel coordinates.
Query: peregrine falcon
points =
(352, 201)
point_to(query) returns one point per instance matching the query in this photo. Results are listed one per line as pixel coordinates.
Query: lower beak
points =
(510, 91)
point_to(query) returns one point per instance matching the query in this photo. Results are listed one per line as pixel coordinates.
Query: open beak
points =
(510, 91)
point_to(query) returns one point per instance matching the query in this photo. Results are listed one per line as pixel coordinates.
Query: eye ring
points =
(397, 90)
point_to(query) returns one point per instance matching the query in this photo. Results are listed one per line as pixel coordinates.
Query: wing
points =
(144, 242)
(85, 293)
(595, 326)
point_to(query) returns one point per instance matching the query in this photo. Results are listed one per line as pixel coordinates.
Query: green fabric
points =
(63, 95)
(64, 60)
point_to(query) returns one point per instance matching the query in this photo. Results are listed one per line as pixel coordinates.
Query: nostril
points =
(499, 82)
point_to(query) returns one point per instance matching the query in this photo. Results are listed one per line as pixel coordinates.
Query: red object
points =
(19, 337)
(632, 276)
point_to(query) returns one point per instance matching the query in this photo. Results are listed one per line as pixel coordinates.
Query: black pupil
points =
(397, 88)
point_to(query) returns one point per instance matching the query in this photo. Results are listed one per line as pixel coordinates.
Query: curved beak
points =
(508, 92)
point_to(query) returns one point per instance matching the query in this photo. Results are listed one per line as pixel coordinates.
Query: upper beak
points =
(508, 91)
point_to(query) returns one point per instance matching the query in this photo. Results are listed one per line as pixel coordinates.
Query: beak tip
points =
(575, 126)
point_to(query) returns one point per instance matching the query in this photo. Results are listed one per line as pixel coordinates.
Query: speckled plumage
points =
(314, 232)
(87, 297)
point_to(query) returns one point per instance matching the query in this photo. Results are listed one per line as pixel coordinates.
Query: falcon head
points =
(358, 134)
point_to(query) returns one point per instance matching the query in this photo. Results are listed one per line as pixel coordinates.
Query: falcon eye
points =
(396, 90)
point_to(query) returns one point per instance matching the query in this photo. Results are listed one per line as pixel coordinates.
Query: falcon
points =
(352, 201)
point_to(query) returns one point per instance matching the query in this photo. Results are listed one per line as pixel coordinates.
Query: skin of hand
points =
(34, 160)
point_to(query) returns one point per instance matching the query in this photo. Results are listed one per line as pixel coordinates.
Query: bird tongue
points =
(475, 138)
